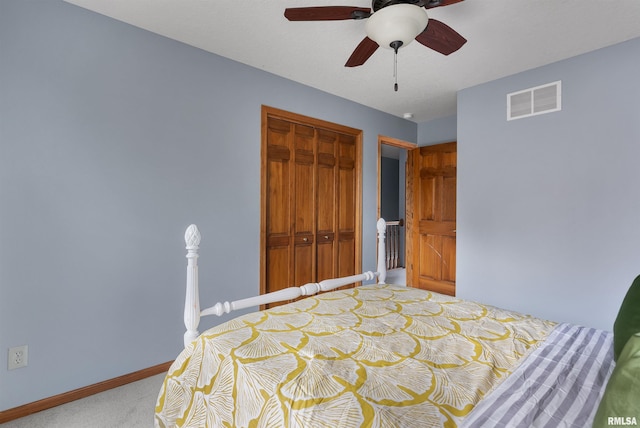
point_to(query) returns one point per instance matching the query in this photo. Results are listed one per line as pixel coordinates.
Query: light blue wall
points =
(548, 206)
(114, 140)
(436, 131)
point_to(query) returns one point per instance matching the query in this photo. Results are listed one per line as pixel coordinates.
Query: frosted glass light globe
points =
(398, 22)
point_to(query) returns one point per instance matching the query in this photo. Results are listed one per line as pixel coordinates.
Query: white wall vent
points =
(533, 101)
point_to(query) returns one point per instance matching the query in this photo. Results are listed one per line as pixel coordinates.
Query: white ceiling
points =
(504, 37)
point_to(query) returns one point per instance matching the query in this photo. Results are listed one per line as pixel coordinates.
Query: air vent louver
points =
(534, 101)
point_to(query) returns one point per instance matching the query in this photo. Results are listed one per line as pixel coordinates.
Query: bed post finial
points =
(382, 266)
(192, 299)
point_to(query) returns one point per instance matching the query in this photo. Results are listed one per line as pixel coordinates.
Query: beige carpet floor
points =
(128, 406)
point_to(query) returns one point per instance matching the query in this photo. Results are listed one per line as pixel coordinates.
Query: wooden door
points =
(277, 172)
(291, 204)
(326, 205)
(310, 200)
(304, 208)
(431, 217)
(348, 215)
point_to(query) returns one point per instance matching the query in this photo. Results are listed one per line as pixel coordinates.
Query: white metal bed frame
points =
(192, 312)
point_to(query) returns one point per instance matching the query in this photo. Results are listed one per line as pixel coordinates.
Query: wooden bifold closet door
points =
(310, 207)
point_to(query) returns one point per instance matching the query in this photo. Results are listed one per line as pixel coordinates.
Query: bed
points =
(380, 355)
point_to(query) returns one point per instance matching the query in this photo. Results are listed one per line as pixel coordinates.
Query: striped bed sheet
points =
(559, 385)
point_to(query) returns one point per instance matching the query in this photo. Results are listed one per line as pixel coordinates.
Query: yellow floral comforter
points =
(372, 356)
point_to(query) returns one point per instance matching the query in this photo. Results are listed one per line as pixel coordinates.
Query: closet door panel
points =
(278, 268)
(347, 184)
(304, 211)
(346, 258)
(346, 221)
(325, 256)
(279, 242)
(278, 178)
(278, 206)
(326, 199)
(304, 271)
(304, 182)
(347, 205)
(304, 192)
(326, 203)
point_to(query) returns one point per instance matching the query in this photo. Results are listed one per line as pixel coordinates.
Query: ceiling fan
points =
(391, 24)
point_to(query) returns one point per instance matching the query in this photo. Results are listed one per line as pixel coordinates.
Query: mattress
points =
(375, 356)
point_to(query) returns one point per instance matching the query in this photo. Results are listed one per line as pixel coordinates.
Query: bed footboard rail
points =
(192, 312)
(288, 293)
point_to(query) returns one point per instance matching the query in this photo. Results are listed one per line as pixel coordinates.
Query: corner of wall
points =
(436, 131)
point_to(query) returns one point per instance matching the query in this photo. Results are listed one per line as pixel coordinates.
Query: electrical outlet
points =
(18, 357)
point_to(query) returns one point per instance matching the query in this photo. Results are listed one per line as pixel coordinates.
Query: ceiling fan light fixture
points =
(397, 22)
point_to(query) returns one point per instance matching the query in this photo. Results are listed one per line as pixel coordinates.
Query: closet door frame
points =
(268, 112)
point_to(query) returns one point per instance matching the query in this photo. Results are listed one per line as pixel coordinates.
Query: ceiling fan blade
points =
(430, 4)
(326, 13)
(441, 38)
(361, 54)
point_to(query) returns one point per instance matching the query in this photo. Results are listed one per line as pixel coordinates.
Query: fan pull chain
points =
(395, 46)
(395, 71)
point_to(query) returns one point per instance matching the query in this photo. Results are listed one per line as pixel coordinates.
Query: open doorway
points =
(392, 161)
